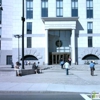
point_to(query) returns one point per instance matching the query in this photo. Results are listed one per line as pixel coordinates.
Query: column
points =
(46, 47)
(73, 46)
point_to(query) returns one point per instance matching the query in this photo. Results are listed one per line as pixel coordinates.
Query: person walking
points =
(92, 68)
(61, 63)
(38, 68)
(69, 61)
(66, 65)
(34, 68)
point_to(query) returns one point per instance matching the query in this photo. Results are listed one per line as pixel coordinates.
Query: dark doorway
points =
(9, 59)
(30, 57)
(90, 57)
(58, 45)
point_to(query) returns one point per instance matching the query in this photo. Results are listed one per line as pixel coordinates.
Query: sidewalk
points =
(53, 79)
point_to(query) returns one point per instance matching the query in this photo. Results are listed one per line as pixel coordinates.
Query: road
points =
(39, 96)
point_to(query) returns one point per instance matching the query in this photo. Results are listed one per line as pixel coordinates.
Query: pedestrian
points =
(12, 65)
(38, 68)
(61, 63)
(18, 69)
(69, 60)
(34, 68)
(92, 68)
(66, 65)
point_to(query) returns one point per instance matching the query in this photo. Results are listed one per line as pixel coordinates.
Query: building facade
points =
(54, 29)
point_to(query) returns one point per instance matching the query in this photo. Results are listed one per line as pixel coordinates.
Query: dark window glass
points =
(89, 27)
(89, 8)
(89, 41)
(59, 8)
(0, 44)
(28, 42)
(29, 9)
(0, 1)
(0, 16)
(44, 8)
(29, 27)
(74, 12)
(74, 8)
(0, 32)
(90, 57)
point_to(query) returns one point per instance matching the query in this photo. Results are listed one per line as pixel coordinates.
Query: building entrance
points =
(58, 42)
(56, 57)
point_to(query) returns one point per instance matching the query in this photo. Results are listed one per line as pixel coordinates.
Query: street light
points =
(18, 36)
(23, 20)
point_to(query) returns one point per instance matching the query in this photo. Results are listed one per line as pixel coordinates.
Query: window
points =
(29, 42)
(59, 8)
(74, 8)
(29, 9)
(29, 27)
(1, 11)
(0, 32)
(89, 41)
(29, 31)
(0, 1)
(89, 8)
(89, 27)
(44, 9)
(0, 44)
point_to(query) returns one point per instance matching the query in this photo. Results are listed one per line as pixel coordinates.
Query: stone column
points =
(46, 47)
(73, 46)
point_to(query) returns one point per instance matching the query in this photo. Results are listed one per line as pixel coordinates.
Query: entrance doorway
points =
(57, 56)
(58, 45)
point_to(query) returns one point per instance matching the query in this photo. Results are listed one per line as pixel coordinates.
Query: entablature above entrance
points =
(60, 23)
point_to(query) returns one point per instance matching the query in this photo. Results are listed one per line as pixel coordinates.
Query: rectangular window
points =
(0, 2)
(29, 27)
(29, 42)
(44, 9)
(89, 27)
(74, 8)
(29, 9)
(0, 32)
(0, 44)
(89, 6)
(1, 11)
(89, 41)
(59, 8)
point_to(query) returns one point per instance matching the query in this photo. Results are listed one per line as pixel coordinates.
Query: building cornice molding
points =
(44, 19)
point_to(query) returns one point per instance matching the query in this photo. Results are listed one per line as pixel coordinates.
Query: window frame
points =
(44, 9)
(74, 8)
(29, 9)
(29, 27)
(89, 27)
(89, 9)
(29, 42)
(59, 9)
(90, 42)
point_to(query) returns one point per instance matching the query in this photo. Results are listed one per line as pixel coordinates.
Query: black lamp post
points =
(23, 20)
(1, 8)
(18, 36)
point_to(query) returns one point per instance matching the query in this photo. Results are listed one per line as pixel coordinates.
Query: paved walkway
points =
(53, 79)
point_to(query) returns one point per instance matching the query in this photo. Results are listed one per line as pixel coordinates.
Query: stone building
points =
(54, 29)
